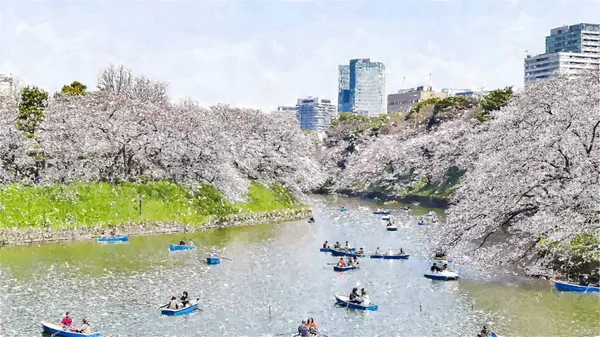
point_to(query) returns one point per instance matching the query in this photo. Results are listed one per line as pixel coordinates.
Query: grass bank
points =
(104, 204)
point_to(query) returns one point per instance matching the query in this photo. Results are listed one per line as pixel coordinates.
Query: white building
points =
(7, 83)
(315, 113)
(475, 93)
(569, 50)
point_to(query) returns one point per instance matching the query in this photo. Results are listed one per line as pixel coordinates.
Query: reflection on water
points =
(277, 278)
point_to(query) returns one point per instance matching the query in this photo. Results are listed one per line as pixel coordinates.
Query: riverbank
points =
(81, 211)
(425, 201)
(20, 236)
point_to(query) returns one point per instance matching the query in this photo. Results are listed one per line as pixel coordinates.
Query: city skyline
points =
(263, 54)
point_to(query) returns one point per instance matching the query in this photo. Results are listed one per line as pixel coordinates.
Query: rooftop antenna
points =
(404, 82)
(527, 54)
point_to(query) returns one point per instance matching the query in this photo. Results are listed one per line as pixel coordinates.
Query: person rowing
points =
(86, 328)
(349, 261)
(182, 242)
(173, 305)
(337, 245)
(191, 243)
(355, 297)
(312, 326)
(341, 262)
(66, 321)
(401, 252)
(364, 297)
(377, 251)
(360, 251)
(390, 252)
(435, 268)
(355, 261)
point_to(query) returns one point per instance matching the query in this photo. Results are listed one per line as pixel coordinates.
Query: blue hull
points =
(570, 287)
(336, 268)
(421, 223)
(342, 301)
(340, 253)
(184, 311)
(344, 210)
(325, 250)
(179, 247)
(391, 257)
(56, 330)
(213, 260)
(438, 277)
(124, 238)
(383, 212)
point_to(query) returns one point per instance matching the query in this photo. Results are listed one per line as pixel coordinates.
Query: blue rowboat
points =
(572, 287)
(442, 276)
(213, 260)
(110, 239)
(421, 223)
(337, 268)
(336, 252)
(179, 312)
(344, 301)
(325, 250)
(180, 247)
(382, 212)
(343, 210)
(57, 330)
(391, 257)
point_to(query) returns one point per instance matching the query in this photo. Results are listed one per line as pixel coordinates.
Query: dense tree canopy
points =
(112, 136)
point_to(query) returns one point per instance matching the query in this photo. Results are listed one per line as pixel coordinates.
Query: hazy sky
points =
(268, 53)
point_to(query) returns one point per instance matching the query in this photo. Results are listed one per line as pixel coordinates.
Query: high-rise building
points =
(315, 113)
(362, 88)
(569, 50)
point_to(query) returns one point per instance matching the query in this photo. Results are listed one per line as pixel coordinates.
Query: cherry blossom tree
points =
(122, 81)
(532, 195)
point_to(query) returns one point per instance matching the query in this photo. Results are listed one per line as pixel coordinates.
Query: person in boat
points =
(390, 252)
(185, 300)
(312, 326)
(355, 297)
(360, 251)
(86, 328)
(182, 242)
(435, 268)
(337, 245)
(173, 303)
(191, 243)
(341, 262)
(325, 244)
(347, 246)
(445, 267)
(364, 297)
(311, 220)
(377, 251)
(583, 281)
(401, 252)
(440, 255)
(112, 233)
(303, 330)
(485, 332)
(349, 261)
(355, 261)
(66, 321)
(390, 223)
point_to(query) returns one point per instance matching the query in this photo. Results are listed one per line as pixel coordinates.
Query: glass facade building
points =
(362, 88)
(315, 113)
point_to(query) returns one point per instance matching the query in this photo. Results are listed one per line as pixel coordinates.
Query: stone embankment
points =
(16, 236)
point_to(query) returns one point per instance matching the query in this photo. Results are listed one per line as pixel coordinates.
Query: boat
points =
(181, 247)
(344, 301)
(113, 238)
(179, 312)
(57, 330)
(391, 228)
(343, 209)
(563, 286)
(442, 276)
(386, 217)
(213, 260)
(336, 252)
(382, 212)
(391, 257)
(346, 268)
(325, 250)
(406, 208)
(421, 223)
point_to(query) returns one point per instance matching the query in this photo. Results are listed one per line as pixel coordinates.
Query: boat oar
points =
(226, 258)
